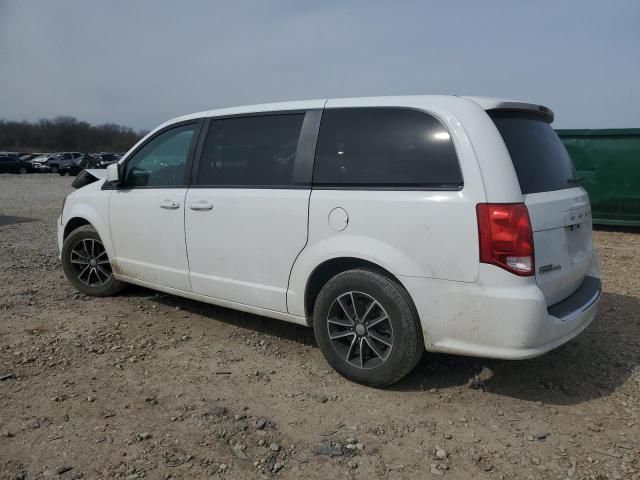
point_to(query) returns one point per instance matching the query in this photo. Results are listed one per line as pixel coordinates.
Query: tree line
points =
(65, 134)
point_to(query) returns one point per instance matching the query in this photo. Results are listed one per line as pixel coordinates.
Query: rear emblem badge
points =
(549, 268)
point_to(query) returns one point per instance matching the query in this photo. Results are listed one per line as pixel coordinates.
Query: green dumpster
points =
(608, 162)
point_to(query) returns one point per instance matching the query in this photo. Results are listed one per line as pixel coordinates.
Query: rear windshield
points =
(538, 155)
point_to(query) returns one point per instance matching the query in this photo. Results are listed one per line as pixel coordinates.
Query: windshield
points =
(541, 162)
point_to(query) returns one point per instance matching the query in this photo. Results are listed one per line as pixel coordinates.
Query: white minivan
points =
(390, 225)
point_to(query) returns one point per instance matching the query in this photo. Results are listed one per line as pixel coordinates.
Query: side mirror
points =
(113, 174)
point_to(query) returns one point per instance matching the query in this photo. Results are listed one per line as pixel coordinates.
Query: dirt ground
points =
(147, 385)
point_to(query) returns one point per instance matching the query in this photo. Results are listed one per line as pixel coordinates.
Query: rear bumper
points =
(508, 322)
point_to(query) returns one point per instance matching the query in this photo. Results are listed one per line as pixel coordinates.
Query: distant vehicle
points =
(62, 159)
(11, 164)
(389, 225)
(38, 164)
(79, 164)
(106, 159)
(25, 157)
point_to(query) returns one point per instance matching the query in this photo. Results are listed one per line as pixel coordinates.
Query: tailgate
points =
(561, 222)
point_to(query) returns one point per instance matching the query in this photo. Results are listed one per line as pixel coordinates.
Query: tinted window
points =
(384, 147)
(250, 151)
(162, 160)
(538, 155)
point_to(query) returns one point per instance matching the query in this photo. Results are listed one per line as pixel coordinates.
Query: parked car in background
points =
(38, 164)
(25, 157)
(390, 225)
(11, 164)
(60, 160)
(106, 159)
(79, 164)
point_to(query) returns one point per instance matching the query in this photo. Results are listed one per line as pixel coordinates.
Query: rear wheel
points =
(86, 264)
(367, 328)
(54, 169)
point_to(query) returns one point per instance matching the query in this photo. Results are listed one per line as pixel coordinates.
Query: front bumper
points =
(507, 322)
(60, 235)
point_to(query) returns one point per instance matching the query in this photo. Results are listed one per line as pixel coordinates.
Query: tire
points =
(83, 250)
(61, 173)
(22, 170)
(54, 169)
(369, 350)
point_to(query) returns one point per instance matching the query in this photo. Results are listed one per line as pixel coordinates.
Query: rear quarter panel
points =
(410, 233)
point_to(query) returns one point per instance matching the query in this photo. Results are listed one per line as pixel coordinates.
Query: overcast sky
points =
(139, 63)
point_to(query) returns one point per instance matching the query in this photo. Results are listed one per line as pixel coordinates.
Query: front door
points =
(146, 212)
(246, 211)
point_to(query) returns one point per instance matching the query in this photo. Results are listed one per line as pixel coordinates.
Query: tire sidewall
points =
(84, 232)
(406, 337)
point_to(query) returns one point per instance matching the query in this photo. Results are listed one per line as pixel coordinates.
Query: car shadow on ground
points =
(247, 321)
(590, 366)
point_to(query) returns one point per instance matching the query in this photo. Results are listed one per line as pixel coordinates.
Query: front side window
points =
(161, 162)
(384, 147)
(250, 151)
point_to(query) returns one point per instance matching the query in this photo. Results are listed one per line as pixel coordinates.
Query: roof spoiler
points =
(540, 110)
(493, 103)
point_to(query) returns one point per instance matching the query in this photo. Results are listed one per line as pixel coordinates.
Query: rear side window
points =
(255, 151)
(541, 162)
(385, 147)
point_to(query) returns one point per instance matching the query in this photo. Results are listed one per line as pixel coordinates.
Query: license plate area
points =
(577, 216)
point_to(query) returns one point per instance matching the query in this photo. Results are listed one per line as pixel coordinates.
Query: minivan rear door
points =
(558, 207)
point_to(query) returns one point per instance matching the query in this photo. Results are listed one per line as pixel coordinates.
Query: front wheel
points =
(22, 170)
(86, 264)
(54, 169)
(367, 328)
(61, 173)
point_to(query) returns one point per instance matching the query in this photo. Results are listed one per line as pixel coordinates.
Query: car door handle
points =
(169, 204)
(201, 205)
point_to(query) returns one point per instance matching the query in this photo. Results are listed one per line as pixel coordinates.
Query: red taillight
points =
(506, 238)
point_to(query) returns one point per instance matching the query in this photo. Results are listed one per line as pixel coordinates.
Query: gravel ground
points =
(147, 385)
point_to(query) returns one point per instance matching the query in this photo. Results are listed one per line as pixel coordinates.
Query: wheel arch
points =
(328, 269)
(73, 224)
(88, 210)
